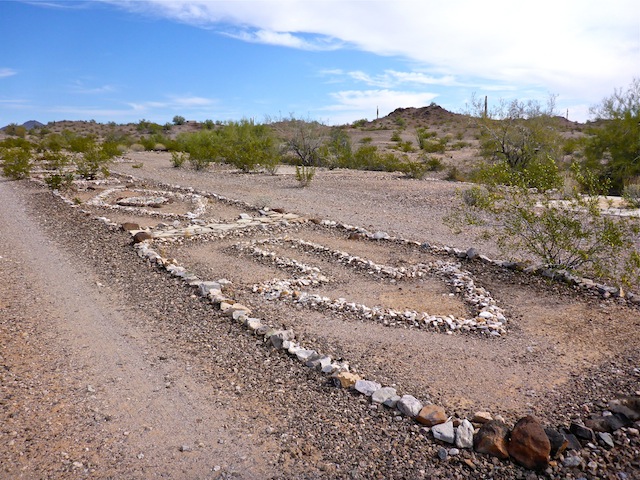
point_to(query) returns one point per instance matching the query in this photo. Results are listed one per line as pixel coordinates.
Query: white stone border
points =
(490, 318)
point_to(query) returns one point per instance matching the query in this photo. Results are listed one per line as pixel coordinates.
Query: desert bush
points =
(422, 135)
(400, 122)
(178, 159)
(570, 233)
(247, 145)
(338, 150)
(434, 164)
(145, 126)
(305, 174)
(454, 174)
(395, 136)
(16, 162)
(15, 130)
(613, 147)
(517, 133)
(542, 174)
(415, 170)
(437, 145)
(93, 162)
(179, 120)
(136, 147)
(366, 140)
(208, 124)
(631, 194)
(406, 146)
(360, 123)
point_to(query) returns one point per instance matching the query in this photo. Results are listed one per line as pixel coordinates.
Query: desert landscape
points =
(183, 322)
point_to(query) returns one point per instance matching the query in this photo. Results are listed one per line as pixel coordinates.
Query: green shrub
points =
(571, 233)
(434, 164)
(59, 181)
(16, 162)
(93, 162)
(179, 120)
(416, 170)
(366, 140)
(304, 174)
(360, 123)
(631, 194)
(178, 159)
(406, 146)
(395, 136)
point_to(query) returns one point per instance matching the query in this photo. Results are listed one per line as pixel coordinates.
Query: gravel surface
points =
(112, 369)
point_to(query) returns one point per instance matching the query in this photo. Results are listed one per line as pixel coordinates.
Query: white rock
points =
(367, 387)
(409, 406)
(464, 434)
(444, 432)
(383, 394)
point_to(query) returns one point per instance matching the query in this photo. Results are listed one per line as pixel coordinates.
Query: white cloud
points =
(80, 87)
(7, 72)
(269, 37)
(559, 45)
(392, 78)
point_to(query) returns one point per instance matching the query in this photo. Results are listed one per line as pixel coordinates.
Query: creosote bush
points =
(16, 162)
(562, 232)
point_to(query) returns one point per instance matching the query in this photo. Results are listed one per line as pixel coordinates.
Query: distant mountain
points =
(29, 125)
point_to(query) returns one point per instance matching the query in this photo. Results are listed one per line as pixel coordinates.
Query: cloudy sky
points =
(332, 60)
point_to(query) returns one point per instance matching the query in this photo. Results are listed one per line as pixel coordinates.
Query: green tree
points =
(179, 120)
(516, 134)
(614, 145)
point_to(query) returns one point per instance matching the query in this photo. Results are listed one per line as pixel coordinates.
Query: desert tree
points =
(613, 147)
(517, 135)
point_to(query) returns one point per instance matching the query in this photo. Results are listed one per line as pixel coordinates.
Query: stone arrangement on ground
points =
(263, 234)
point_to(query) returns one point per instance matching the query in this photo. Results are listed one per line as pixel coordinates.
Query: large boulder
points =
(141, 237)
(493, 439)
(529, 445)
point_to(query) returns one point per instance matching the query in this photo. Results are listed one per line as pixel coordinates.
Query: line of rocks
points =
(489, 320)
(606, 291)
(525, 443)
(528, 443)
(587, 284)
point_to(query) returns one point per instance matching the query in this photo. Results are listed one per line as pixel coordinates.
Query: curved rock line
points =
(490, 318)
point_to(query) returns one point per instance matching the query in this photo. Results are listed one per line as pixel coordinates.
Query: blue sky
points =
(333, 60)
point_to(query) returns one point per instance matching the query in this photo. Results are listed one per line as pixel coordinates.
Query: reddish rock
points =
(141, 237)
(493, 439)
(529, 445)
(431, 415)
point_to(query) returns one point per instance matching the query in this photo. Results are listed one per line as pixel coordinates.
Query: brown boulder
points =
(128, 226)
(431, 415)
(141, 237)
(529, 445)
(493, 439)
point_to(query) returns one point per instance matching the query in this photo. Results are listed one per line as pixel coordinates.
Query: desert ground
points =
(111, 368)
